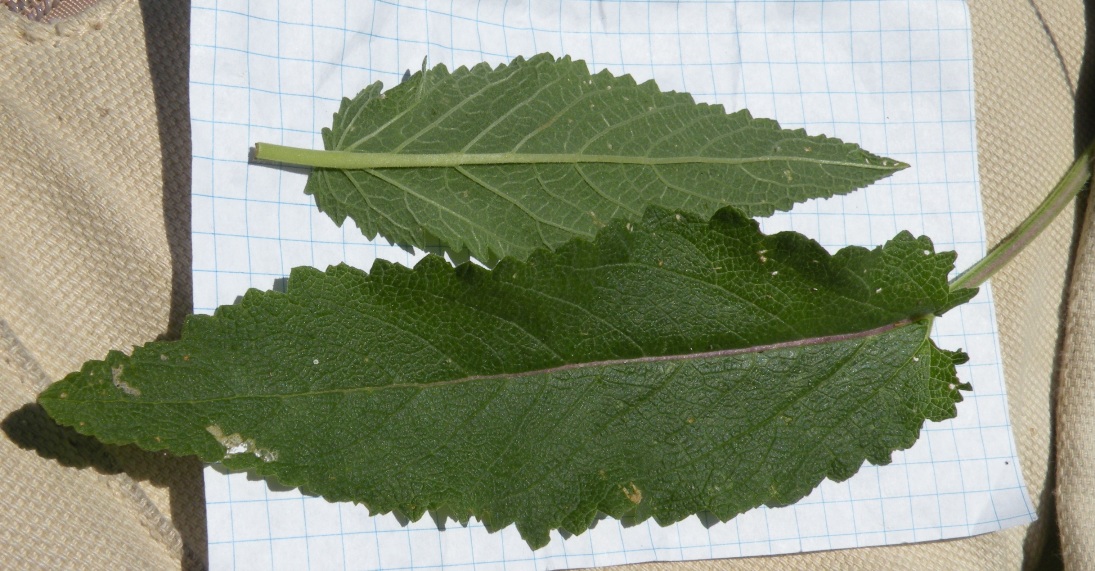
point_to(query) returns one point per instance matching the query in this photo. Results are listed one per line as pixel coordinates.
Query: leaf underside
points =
(545, 107)
(673, 366)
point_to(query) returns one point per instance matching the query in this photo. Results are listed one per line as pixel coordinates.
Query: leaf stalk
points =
(1074, 180)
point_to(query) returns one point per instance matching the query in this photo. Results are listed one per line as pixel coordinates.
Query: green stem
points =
(1061, 196)
(352, 160)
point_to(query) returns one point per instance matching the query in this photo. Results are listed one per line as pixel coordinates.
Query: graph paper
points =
(894, 77)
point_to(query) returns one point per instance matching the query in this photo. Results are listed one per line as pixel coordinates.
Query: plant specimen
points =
(638, 349)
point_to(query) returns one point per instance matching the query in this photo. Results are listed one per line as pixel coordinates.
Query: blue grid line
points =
(213, 216)
(920, 201)
(311, 234)
(547, 30)
(805, 501)
(605, 552)
(594, 64)
(247, 226)
(232, 199)
(423, 531)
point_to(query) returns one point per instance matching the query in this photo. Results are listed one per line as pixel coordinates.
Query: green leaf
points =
(673, 366)
(499, 162)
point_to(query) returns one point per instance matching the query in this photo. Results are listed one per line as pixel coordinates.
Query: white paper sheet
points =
(893, 76)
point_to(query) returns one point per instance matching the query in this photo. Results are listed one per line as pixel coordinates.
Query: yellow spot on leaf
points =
(633, 493)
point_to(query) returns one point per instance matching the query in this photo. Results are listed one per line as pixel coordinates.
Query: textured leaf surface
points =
(672, 366)
(569, 151)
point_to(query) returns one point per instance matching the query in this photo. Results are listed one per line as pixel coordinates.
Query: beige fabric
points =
(85, 266)
(1076, 410)
(1026, 61)
(94, 255)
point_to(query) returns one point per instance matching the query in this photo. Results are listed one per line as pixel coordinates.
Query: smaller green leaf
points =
(673, 366)
(499, 162)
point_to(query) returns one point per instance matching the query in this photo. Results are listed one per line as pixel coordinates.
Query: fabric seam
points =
(17, 29)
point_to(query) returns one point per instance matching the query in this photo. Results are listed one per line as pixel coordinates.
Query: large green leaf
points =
(675, 365)
(499, 162)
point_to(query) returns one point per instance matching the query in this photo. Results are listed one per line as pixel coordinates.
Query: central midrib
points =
(353, 160)
(561, 368)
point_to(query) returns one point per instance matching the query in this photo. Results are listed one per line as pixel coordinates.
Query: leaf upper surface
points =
(568, 151)
(672, 366)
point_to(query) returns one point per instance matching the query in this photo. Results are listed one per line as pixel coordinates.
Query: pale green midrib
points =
(352, 160)
(810, 341)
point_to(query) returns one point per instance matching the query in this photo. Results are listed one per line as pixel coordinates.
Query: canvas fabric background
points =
(95, 255)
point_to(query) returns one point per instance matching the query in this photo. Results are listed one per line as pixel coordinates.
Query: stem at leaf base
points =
(1061, 196)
